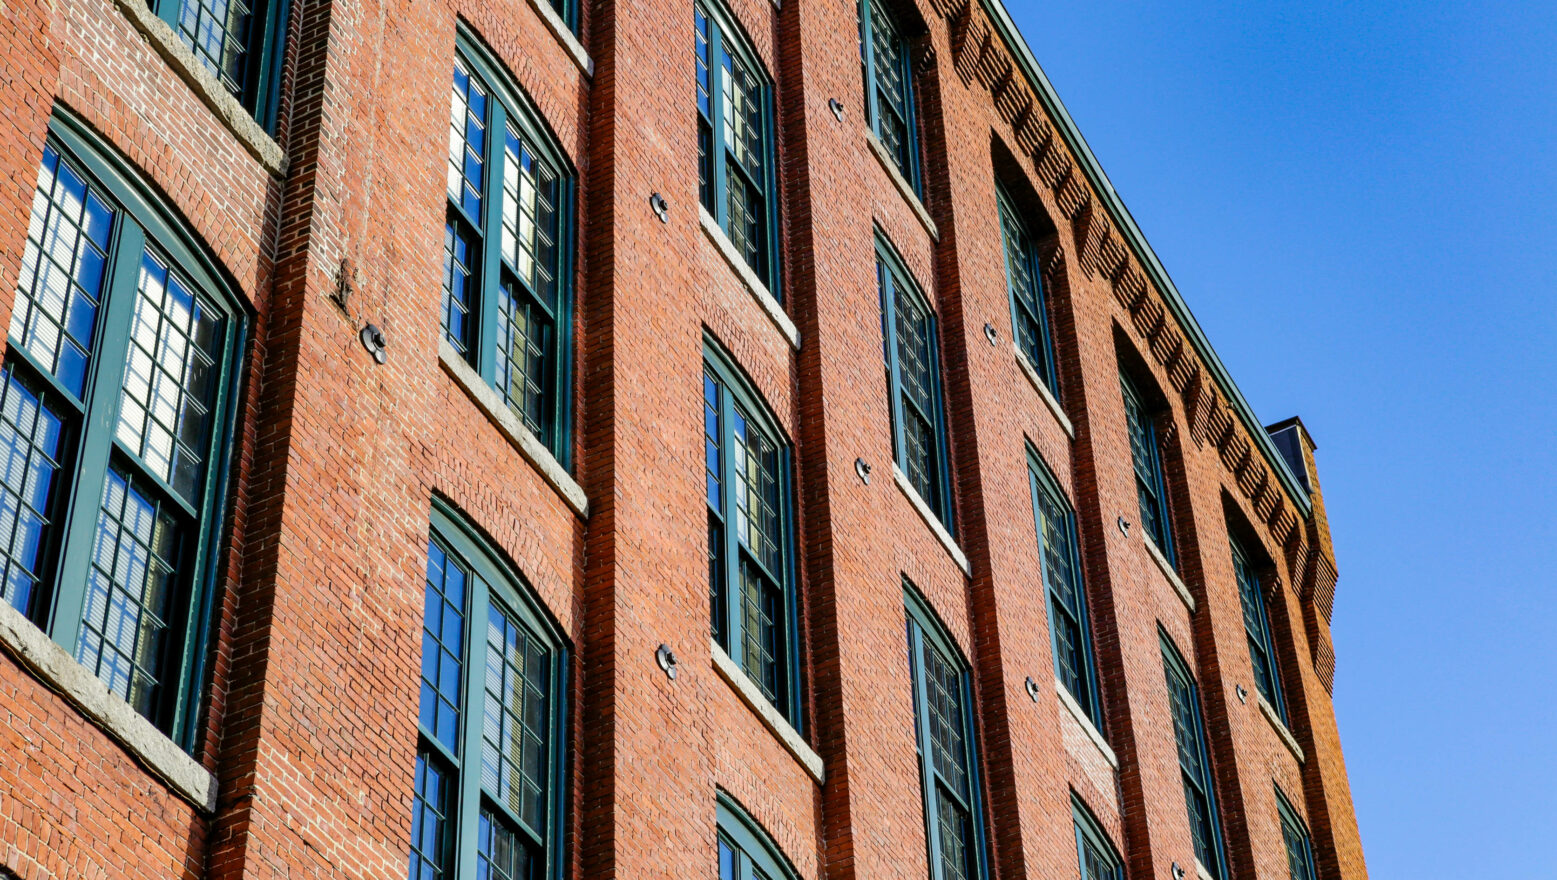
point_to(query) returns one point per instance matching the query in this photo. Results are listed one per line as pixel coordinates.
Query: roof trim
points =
(1143, 250)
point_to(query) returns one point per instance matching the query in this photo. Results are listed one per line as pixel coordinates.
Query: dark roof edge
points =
(1143, 250)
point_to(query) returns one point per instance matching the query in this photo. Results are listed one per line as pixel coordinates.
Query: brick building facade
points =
(790, 462)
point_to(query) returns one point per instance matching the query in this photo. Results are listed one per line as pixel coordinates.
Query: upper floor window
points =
(1146, 459)
(507, 287)
(1256, 624)
(1024, 283)
(889, 91)
(943, 728)
(487, 800)
(750, 512)
(1069, 629)
(1096, 856)
(1189, 733)
(237, 41)
(913, 368)
(735, 152)
(745, 850)
(1300, 849)
(116, 403)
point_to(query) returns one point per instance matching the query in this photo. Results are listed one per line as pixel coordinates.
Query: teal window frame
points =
(898, 292)
(258, 86)
(1256, 624)
(501, 296)
(737, 408)
(889, 87)
(718, 34)
(1055, 521)
(1030, 325)
(1096, 857)
(927, 638)
(1146, 462)
(1298, 844)
(94, 457)
(1194, 756)
(745, 851)
(487, 585)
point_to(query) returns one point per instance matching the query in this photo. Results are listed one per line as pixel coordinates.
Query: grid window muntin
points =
(944, 741)
(911, 351)
(491, 814)
(507, 305)
(887, 64)
(1194, 759)
(737, 170)
(1075, 664)
(752, 595)
(1256, 624)
(1024, 284)
(744, 850)
(126, 588)
(1095, 853)
(1298, 844)
(1146, 462)
(238, 42)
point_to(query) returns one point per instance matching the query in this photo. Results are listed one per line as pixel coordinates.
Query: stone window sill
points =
(1086, 724)
(931, 520)
(749, 279)
(781, 729)
(1044, 392)
(565, 36)
(497, 412)
(1169, 573)
(1287, 739)
(221, 102)
(879, 150)
(57, 670)
(1200, 871)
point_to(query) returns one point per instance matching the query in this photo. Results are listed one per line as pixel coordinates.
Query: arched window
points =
(745, 850)
(488, 783)
(116, 402)
(1070, 630)
(911, 348)
(508, 255)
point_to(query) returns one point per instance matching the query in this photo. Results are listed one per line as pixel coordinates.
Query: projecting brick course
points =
(310, 723)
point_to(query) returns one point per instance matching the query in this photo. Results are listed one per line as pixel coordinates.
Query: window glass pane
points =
(467, 142)
(756, 463)
(1026, 283)
(762, 616)
(217, 31)
(726, 861)
(443, 646)
(1256, 625)
(165, 409)
(500, 853)
(514, 731)
(459, 283)
(892, 88)
(530, 217)
(948, 748)
(916, 375)
(700, 47)
(1197, 781)
(429, 819)
(31, 436)
(953, 822)
(129, 588)
(1095, 865)
(713, 480)
(525, 346)
(63, 268)
(1148, 474)
(1297, 843)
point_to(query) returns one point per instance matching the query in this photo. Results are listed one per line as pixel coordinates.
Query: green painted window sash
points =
(753, 846)
(261, 94)
(724, 36)
(84, 468)
(505, 104)
(1090, 834)
(1262, 644)
(1175, 666)
(1292, 825)
(738, 391)
(924, 628)
(868, 12)
(492, 580)
(903, 284)
(1041, 480)
(1155, 481)
(1043, 359)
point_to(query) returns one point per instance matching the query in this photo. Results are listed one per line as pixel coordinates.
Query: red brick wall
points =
(311, 730)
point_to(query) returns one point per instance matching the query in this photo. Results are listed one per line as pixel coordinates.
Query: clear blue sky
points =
(1359, 202)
